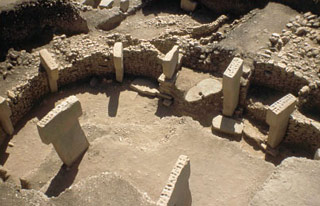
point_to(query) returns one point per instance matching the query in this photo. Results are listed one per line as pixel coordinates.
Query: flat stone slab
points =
(227, 125)
(295, 182)
(145, 87)
(203, 89)
(106, 4)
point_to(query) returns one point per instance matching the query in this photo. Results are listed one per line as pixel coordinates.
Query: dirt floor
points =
(139, 139)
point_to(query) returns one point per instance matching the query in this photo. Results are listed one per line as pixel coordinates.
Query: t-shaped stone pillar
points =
(5, 113)
(278, 117)
(177, 191)
(51, 68)
(231, 86)
(118, 60)
(61, 128)
(170, 61)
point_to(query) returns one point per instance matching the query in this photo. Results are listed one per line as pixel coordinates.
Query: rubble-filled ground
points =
(135, 138)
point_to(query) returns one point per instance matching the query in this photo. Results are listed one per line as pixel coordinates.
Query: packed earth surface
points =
(155, 139)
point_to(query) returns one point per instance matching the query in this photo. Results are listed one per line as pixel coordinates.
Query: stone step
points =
(227, 125)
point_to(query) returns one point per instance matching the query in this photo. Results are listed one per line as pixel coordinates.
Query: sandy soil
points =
(141, 140)
(253, 35)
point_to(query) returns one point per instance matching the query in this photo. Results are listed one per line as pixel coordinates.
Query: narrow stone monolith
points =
(177, 191)
(231, 86)
(51, 68)
(118, 60)
(5, 113)
(170, 61)
(61, 127)
(278, 117)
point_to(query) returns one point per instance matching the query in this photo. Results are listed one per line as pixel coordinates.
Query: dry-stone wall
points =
(278, 76)
(304, 132)
(21, 99)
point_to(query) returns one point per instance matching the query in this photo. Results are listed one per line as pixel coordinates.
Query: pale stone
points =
(106, 4)
(231, 86)
(227, 125)
(317, 154)
(170, 61)
(278, 117)
(145, 87)
(5, 113)
(188, 5)
(168, 82)
(124, 5)
(203, 89)
(51, 68)
(177, 191)
(118, 60)
(61, 128)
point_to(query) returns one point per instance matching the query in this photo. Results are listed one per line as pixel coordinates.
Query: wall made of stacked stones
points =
(24, 97)
(95, 64)
(256, 110)
(142, 62)
(309, 97)
(276, 76)
(303, 132)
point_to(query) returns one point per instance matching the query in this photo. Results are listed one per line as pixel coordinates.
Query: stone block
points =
(231, 86)
(51, 68)
(5, 113)
(177, 191)
(145, 87)
(227, 125)
(188, 5)
(124, 5)
(203, 89)
(118, 60)
(61, 128)
(106, 4)
(170, 61)
(278, 117)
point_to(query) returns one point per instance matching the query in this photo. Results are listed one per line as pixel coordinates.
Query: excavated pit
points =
(136, 137)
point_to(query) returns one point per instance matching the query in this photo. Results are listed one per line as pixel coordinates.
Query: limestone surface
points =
(106, 4)
(145, 87)
(203, 89)
(295, 182)
(227, 125)
(61, 128)
(51, 68)
(5, 113)
(231, 86)
(177, 191)
(170, 61)
(118, 60)
(278, 117)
